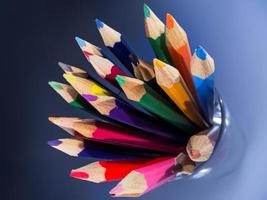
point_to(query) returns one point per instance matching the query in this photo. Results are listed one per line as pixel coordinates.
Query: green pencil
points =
(72, 97)
(138, 91)
(155, 32)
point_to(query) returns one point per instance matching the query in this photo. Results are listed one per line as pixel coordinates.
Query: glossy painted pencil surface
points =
(138, 91)
(101, 151)
(118, 110)
(202, 68)
(105, 171)
(179, 49)
(112, 134)
(200, 146)
(145, 179)
(170, 80)
(155, 32)
(117, 45)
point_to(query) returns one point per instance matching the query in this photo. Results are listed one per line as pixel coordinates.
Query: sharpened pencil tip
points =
(79, 174)
(55, 85)
(169, 21)
(120, 80)
(53, 143)
(146, 11)
(99, 24)
(52, 119)
(70, 78)
(80, 41)
(158, 63)
(63, 66)
(201, 53)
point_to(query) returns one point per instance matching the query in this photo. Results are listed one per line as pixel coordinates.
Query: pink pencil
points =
(145, 179)
(108, 133)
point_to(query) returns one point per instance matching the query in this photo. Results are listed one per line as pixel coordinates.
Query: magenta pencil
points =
(113, 134)
(145, 179)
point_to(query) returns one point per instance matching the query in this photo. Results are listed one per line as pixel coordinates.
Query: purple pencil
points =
(116, 109)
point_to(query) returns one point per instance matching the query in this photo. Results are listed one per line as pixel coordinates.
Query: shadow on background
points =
(38, 34)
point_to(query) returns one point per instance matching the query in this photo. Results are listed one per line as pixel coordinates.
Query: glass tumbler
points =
(229, 148)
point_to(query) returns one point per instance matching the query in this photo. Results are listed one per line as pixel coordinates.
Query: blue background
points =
(37, 34)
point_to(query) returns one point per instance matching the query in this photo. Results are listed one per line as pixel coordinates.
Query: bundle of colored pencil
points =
(156, 125)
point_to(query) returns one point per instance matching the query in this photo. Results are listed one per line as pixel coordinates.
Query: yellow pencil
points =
(170, 80)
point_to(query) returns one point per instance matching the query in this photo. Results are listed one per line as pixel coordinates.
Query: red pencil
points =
(104, 171)
(147, 178)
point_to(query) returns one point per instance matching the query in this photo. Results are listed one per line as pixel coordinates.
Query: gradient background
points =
(38, 34)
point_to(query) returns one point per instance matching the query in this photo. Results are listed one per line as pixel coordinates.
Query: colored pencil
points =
(200, 147)
(117, 45)
(184, 165)
(118, 110)
(170, 80)
(69, 69)
(145, 179)
(88, 48)
(155, 32)
(66, 123)
(144, 71)
(101, 151)
(105, 171)
(108, 133)
(179, 49)
(139, 91)
(86, 86)
(105, 68)
(202, 68)
(113, 134)
(69, 94)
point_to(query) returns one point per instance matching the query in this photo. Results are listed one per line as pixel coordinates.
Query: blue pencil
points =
(118, 45)
(202, 68)
(101, 151)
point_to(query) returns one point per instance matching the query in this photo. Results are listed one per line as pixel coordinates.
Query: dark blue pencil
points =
(100, 151)
(118, 45)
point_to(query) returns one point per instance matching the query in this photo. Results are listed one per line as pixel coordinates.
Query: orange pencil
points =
(179, 49)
